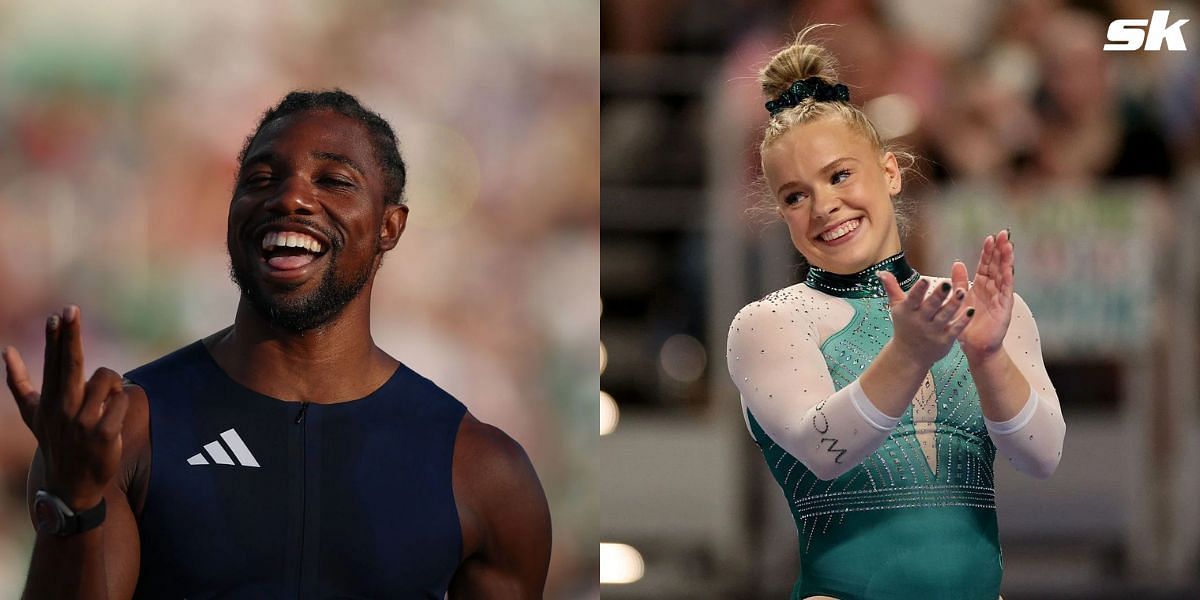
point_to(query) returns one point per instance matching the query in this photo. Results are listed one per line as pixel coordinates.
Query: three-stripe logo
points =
(219, 456)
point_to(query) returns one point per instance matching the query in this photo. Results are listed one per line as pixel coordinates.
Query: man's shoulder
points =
(487, 442)
(494, 480)
(489, 457)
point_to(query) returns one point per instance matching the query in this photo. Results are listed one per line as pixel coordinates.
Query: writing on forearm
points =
(833, 442)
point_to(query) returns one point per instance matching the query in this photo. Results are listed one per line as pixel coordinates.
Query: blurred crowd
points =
(120, 123)
(1009, 91)
(1013, 98)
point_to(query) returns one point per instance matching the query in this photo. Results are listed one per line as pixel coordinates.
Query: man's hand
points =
(77, 424)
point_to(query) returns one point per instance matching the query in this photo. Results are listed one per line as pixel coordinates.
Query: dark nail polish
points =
(945, 287)
(970, 312)
(53, 322)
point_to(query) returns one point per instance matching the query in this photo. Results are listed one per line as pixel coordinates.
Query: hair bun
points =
(797, 62)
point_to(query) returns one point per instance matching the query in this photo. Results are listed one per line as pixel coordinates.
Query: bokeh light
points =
(620, 563)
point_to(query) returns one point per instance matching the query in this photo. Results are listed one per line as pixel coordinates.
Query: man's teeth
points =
(841, 230)
(290, 239)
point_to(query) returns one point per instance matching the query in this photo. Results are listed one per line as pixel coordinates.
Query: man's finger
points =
(17, 377)
(71, 361)
(50, 379)
(113, 420)
(97, 390)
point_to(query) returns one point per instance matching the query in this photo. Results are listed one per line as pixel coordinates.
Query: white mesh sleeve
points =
(775, 360)
(1033, 440)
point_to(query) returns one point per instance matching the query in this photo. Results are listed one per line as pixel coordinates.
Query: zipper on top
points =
(302, 496)
(300, 416)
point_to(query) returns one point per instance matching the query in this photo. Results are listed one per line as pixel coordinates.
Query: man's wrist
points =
(55, 517)
(84, 503)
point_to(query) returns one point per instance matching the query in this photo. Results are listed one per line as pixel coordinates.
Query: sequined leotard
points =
(912, 514)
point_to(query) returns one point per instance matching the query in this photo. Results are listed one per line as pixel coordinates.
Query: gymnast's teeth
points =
(840, 230)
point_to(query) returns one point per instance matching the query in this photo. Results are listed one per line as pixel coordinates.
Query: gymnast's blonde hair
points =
(803, 59)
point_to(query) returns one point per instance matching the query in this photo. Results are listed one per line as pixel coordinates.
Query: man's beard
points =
(308, 312)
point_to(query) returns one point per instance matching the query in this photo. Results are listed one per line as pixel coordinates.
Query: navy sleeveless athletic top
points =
(254, 497)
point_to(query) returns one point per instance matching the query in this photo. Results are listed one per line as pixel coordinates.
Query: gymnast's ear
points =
(891, 171)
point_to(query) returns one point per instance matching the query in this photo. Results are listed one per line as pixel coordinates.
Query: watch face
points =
(48, 515)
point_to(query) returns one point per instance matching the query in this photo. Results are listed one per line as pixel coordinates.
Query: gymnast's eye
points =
(793, 198)
(838, 177)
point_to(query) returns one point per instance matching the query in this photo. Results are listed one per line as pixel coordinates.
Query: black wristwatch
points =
(57, 518)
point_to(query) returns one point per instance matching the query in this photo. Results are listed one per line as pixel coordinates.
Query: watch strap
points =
(85, 520)
(67, 521)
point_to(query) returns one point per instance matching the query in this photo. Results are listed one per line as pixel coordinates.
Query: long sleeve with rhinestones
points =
(860, 483)
(1033, 439)
(775, 360)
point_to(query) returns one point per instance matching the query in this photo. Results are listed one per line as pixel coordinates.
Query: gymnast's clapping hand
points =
(927, 323)
(991, 295)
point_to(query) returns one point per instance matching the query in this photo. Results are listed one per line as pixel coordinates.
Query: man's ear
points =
(395, 217)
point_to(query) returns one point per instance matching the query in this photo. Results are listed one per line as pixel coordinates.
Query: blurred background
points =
(1022, 121)
(120, 123)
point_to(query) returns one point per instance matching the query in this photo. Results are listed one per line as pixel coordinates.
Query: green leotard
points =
(916, 519)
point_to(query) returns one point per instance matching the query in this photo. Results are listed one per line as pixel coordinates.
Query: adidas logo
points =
(219, 456)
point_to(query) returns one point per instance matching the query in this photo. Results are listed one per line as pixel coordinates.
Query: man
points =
(286, 456)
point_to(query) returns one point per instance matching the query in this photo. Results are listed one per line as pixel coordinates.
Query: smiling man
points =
(286, 456)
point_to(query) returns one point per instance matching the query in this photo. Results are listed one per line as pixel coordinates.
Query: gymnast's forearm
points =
(893, 378)
(1003, 389)
(1026, 428)
(838, 433)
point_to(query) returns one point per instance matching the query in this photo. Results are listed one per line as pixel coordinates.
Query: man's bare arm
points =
(101, 563)
(80, 427)
(508, 542)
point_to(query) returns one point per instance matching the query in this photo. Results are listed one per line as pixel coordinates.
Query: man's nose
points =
(294, 196)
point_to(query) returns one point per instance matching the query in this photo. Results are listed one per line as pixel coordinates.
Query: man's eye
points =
(336, 181)
(258, 179)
